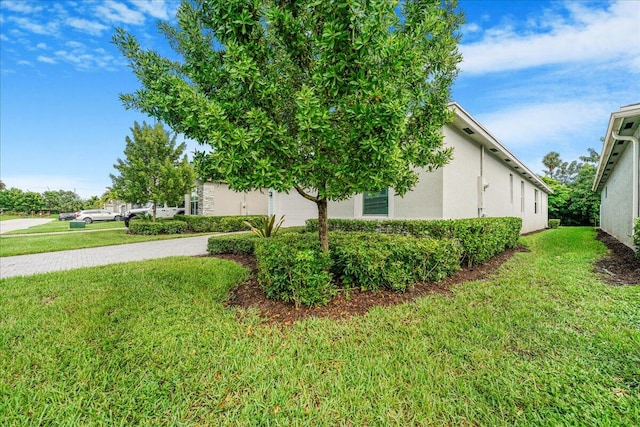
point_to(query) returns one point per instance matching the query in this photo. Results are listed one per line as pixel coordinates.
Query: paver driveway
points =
(26, 265)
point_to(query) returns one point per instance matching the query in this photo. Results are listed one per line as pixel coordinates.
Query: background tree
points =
(329, 99)
(2, 185)
(573, 201)
(62, 201)
(93, 202)
(154, 168)
(552, 161)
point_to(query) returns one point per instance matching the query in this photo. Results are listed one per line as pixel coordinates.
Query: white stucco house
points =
(618, 177)
(217, 199)
(483, 179)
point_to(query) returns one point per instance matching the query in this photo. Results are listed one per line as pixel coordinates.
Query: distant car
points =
(91, 215)
(66, 216)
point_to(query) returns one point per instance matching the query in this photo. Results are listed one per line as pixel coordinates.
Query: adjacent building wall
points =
(216, 199)
(616, 210)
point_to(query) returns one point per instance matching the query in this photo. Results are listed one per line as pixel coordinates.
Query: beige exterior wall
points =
(478, 183)
(216, 199)
(460, 181)
(424, 201)
(295, 208)
(475, 183)
(616, 210)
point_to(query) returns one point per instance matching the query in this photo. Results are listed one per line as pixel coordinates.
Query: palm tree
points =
(551, 161)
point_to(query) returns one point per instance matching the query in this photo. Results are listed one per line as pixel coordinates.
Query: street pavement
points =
(26, 265)
(20, 224)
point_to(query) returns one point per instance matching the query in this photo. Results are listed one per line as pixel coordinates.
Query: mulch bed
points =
(621, 266)
(349, 303)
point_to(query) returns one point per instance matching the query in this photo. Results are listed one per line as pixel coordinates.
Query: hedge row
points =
(217, 224)
(554, 223)
(158, 227)
(480, 238)
(291, 266)
(232, 244)
(372, 261)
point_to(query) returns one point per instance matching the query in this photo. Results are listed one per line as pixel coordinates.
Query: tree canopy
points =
(573, 201)
(327, 98)
(154, 169)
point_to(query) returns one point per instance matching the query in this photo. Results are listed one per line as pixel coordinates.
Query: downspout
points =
(634, 184)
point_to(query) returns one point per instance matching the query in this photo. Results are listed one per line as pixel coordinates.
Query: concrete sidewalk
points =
(26, 265)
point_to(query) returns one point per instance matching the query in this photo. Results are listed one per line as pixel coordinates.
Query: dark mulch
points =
(621, 266)
(349, 303)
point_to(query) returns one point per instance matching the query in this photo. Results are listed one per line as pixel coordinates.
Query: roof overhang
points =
(475, 131)
(625, 122)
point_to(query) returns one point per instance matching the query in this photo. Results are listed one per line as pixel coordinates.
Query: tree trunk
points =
(154, 210)
(322, 224)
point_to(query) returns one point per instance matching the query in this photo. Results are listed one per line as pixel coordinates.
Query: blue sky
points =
(539, 75)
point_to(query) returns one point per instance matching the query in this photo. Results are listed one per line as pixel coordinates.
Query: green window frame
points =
(376, 203)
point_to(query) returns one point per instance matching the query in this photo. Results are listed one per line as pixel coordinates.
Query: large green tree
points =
(62, 201)
(329, 99)
(155, 169)
(573, 201)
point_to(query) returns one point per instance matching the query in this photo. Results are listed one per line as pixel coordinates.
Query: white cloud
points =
(23, 62)
(546, 124)
(590, 36)
(156, 8)
(20, 6)
(41, 45)
(47, 59)
(4, 38)
(50, 28)
(89, 27)
(115, 12)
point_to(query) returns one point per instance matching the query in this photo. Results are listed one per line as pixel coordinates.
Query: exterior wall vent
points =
(468, 131)
(620, 142)
(628, 125)
(507, 160)
(493, 150)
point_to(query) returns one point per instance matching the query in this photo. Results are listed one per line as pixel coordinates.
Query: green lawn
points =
(60, 226)
(542, 343)
(34, 244)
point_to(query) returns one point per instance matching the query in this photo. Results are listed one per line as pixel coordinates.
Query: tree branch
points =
(305, 195)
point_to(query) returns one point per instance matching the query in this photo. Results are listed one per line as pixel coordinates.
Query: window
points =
(535, 201)
(376, 203)
(511, 186)
(521, 196)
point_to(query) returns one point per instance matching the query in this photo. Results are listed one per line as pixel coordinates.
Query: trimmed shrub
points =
(217, 224)
(158, 227)
(554, 223)
(481, 238)
(636, 236)
(292, 267)
(232, 244)
(372, 260)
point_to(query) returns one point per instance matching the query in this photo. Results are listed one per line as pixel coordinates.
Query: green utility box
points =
(76, 224)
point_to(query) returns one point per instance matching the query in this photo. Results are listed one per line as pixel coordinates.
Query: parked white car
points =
(91, 215)
(162, 211)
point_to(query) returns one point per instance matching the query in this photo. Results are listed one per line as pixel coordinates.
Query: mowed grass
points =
(35, 244)
(63, 226)
(542, 343)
